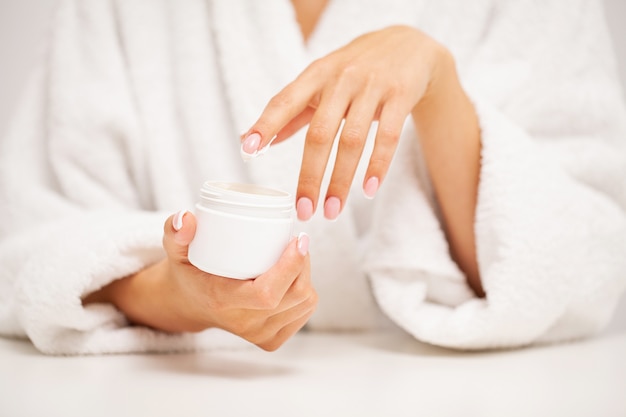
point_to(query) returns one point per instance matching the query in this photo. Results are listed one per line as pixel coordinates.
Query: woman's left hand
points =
(382, 76)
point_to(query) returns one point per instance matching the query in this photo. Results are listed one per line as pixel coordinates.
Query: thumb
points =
(178, 232)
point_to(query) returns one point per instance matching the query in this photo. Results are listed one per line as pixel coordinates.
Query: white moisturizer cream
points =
(242, 229)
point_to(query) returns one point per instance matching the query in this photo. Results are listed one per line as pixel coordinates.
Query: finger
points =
(267, 290)
(178, 232)
(299, 290)
(281, 109)
(387, 136)
(351, 144)
(317, 148)
(295, 125)
(302, 313)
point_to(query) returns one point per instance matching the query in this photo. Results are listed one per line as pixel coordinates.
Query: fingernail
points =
(371, 187)
(251, 144)
(303, 243)
(304, 208)
(177, 221)
(332, 208)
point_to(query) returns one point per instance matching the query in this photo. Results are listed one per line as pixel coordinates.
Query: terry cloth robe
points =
(137, 102)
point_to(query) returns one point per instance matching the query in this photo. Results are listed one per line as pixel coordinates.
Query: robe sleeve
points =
(75, 201)
(551, 214)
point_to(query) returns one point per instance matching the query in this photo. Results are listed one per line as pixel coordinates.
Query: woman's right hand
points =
(175, 296)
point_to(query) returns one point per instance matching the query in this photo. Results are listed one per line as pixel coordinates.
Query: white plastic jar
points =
(242, 229)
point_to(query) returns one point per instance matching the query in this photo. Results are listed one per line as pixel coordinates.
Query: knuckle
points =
(348, 72)
(314, 297)
(300, 291)
(392, 91)
(315, 69)
(351, 138)
(389, 134)
(319, 134)
(243, 328)
(304, 291)
(271, 345)
(312, 301)
(282, 99)
(379, 163)
(370, 81)
(396, 90)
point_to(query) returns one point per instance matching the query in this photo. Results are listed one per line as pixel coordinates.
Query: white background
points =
(24, 27)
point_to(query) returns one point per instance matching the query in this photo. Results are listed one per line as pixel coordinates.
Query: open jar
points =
(242, 229)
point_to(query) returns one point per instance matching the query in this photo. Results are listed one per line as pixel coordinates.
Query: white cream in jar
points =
(242, 229)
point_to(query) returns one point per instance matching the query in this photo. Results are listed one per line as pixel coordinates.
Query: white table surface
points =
(362, 374)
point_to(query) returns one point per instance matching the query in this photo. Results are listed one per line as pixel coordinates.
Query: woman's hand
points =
(384, 76)
(379, 76)
(175, 296)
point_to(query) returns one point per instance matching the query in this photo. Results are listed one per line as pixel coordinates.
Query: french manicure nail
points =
(246, 155)
(177, 221)
(332, 207)
(303, 243)
(251, 144)
(371, 187)
(304, 208)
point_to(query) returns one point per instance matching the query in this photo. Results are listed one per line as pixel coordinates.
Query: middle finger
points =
(317, 148)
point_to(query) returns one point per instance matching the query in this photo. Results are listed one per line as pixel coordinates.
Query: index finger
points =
(283, 108)
(267, 290)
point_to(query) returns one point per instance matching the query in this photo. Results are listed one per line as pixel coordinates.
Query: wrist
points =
(100, 296)
(147, 299)
(444, 87)
(143, 297)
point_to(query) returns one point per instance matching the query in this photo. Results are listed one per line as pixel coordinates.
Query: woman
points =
(500, 221)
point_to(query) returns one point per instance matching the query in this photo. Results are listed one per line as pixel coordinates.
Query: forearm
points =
(449, 134)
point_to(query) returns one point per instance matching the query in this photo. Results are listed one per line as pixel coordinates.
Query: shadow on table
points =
(216, 365)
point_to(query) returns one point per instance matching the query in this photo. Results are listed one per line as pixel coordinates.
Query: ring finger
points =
(351, 144)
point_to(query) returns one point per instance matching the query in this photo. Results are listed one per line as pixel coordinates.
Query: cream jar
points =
(242, 229)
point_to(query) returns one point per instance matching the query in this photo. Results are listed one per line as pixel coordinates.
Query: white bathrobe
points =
(139, 101)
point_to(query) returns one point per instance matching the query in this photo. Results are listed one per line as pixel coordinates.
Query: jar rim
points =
(244, 194)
